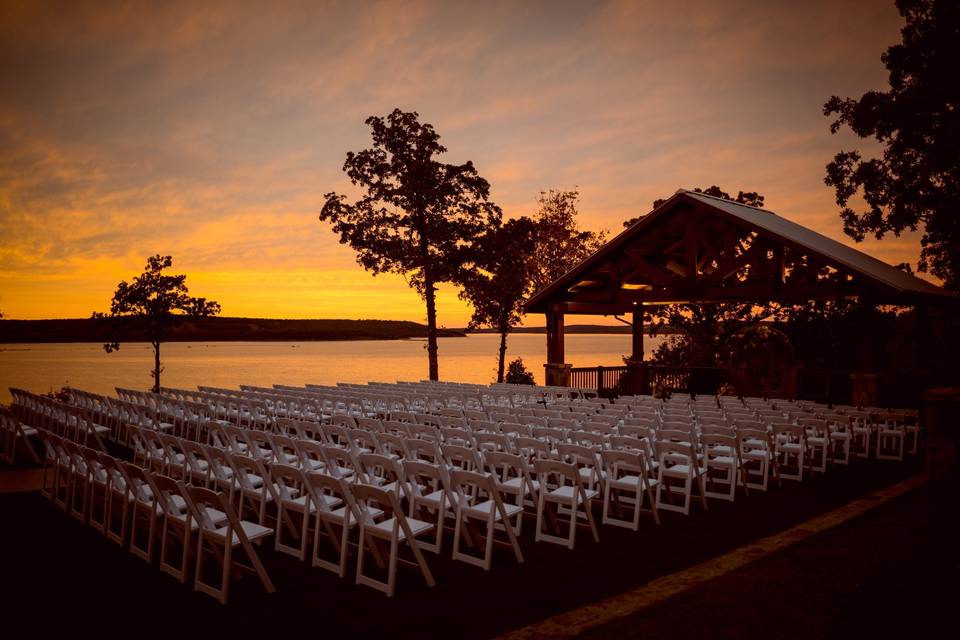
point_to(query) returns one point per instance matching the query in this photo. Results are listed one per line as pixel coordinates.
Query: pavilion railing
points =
(610, 381)
(606, 381)
(695, 380)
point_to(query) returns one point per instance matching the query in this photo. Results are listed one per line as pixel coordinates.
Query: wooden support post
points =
(636, 379)
(555, 337)
(637, 333)
(692, 246)
(556, 372)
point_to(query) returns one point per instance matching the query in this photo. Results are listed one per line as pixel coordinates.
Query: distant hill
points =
(221, 330)
(577, 328)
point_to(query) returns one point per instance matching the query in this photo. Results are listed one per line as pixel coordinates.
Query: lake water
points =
(44, 367)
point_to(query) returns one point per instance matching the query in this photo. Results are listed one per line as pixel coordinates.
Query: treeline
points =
(217, 329)
(577, 329)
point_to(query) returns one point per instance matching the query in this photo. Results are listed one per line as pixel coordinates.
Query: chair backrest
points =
(533, 447)
(717, 429)
(201, 500)
(424, 478)
(260, 444)
(310, 452)
(368, 496)
(370, 424)
(347, 422)
(627, 443)
(471, 486)
(320, 484)
(426, 450)
(556, 473)
(361, 439)
(506, 466)
(246, 467)
(461, 457)
(287, 479)
(624, 462)
(165, 488)
(457, 436)
(338, 461)
(789, 433)
(425, 432)
(137, 483)
(669, 451)
(716, 444)
(221, 466)
(380, 469)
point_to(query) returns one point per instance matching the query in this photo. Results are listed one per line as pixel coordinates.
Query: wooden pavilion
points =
(699, 249)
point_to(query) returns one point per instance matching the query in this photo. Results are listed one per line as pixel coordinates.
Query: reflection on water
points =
(42, 367)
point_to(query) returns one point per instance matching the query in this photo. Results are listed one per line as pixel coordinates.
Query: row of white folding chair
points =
(61, 418)
(100, 490)
(15, 435)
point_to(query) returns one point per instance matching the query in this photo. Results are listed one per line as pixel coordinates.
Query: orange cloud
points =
(212, 132)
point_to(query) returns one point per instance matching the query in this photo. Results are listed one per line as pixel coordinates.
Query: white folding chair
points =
(721, 466)
(392, 526)
(678, 471)
(223, 541)
(562, 486)
(628, 483)
(790, 449)
(478, 499)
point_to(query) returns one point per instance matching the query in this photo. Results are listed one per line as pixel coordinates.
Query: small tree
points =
(156, 302)
(496, 289)
(561, 243)
(915, 183)
(419, 217)
(518, 374)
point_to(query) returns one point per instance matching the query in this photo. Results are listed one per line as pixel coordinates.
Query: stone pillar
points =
(557, 374)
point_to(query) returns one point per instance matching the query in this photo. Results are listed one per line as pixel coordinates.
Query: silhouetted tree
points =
(518, 374)
(496, 289)
(418, 217)
(915, 183)
(157, 302)
(561, 243)
(705, 330)
(751, 198)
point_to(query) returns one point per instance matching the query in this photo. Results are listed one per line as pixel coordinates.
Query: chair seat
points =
(384, 529)
(300, 504)
(792, 447)
(485, 508)
(566, 493)
(251, 529)
(434, 499)
(218, 517)
(756, 454)
(630, 482)
(515, 484)
(677, 471)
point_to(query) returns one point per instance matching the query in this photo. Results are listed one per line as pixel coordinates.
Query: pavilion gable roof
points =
(866, 268)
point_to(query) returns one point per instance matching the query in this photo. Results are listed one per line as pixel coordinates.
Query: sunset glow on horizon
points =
(211, 132)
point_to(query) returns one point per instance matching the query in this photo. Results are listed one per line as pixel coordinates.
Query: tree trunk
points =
(156, 367)
(502, 356)
(429, 293)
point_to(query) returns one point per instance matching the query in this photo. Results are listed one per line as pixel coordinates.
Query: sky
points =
(210, 131)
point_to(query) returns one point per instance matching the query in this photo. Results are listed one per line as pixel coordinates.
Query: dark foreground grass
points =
(59, 573)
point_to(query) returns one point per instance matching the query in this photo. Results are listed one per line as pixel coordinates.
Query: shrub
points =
(518, 374)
